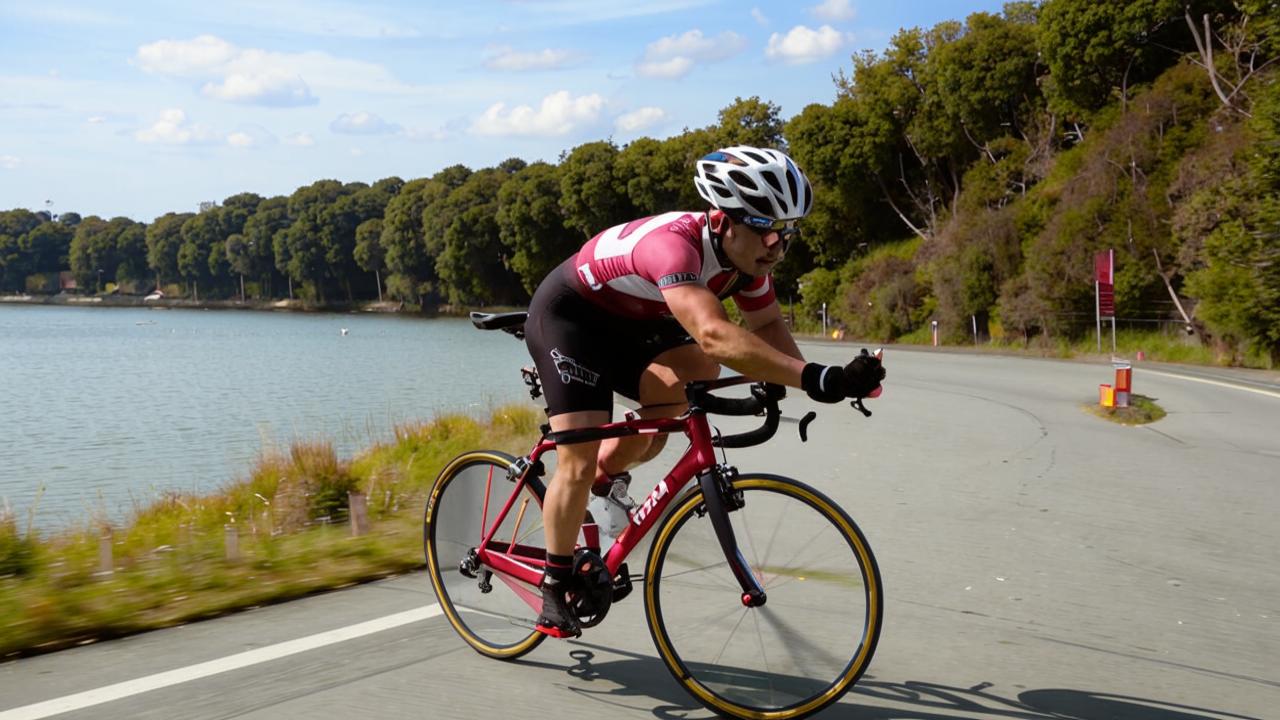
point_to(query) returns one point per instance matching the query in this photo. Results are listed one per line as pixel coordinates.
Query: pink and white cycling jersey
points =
(625, 268)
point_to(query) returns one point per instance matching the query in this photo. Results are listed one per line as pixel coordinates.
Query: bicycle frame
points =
(521, 566)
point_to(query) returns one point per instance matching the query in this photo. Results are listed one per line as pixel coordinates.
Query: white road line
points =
(1218, 383)
(125, 689)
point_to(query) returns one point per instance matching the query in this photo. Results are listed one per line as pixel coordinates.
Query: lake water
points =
(102, 407)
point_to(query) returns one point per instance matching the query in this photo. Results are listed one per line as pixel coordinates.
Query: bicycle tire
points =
(496, 623)
(687, 569)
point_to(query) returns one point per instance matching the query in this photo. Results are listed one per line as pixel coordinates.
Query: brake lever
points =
(804, 425)
(857, 405)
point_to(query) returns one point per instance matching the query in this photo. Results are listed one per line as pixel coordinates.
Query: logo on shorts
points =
(570, 370)
(677, 278)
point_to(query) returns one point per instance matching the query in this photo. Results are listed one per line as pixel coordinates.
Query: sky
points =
(143, 108)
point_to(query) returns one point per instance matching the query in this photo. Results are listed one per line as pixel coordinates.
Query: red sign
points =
(1106, 300)
(1104, 267)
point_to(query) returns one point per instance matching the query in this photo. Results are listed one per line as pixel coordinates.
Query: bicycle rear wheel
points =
(467, 496)
(814, 636)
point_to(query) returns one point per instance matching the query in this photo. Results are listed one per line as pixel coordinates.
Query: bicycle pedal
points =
(622, 586)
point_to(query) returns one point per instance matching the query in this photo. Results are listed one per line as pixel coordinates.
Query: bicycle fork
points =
(719, 498)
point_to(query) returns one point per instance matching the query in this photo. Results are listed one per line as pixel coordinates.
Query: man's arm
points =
(768, 325)
(699, 311)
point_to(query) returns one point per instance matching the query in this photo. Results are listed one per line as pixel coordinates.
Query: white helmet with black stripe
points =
(760, 183)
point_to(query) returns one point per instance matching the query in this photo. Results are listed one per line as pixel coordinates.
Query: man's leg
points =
(661, 395)
(563, 508)
(565, 503)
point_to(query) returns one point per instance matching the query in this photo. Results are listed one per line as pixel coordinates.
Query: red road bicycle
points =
(761, 594)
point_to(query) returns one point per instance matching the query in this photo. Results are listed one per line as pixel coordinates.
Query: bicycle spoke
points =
(729, 639)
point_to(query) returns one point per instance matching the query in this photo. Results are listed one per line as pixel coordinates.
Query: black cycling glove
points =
(832, 383)
(862, 375)
(824, 383)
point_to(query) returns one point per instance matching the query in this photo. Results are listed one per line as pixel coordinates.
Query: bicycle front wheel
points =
(489, 611)
(814, 636)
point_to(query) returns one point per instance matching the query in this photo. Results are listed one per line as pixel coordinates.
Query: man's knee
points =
(655, 447)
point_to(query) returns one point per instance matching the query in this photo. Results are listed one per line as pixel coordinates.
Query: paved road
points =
(1038, 563)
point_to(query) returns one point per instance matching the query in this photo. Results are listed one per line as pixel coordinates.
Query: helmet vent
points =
(791, 184)
(772, 179)
(756, 156)
(722, 192)
(757, 206)
(743, 180)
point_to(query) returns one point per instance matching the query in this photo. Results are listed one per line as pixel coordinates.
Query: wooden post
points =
(232, 537)
(106, 563)
(359, 510)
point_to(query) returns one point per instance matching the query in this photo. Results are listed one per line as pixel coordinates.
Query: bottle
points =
(610, 504)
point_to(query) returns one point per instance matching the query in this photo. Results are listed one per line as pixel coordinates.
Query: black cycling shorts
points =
(584, 353)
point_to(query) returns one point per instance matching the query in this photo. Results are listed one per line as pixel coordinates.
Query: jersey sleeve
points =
(757, 295)
(667, 260)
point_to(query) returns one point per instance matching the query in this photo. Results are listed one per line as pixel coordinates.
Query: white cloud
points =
(300, 139)
(274, 88)
(674, 68)
(248, 75)
(203, 55)
(240, 139)
(674, 56)
(834, 10)
(507, 58)
(559, 114)
(9, 162)
(640, 119)
(355, 152)
(362, 123)
(172, 129)
(759, 17)
(96, 120)
(802, 45)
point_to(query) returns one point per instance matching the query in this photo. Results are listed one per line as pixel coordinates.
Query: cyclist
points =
(637, 310)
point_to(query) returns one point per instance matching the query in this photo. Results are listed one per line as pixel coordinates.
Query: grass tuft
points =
(1141, 410)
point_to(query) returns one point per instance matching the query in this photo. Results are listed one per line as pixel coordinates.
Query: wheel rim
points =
(812, 638)
(498, 622)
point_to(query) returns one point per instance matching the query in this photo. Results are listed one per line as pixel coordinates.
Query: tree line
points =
(965, 175)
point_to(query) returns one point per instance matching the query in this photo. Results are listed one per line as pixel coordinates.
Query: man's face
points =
(755, 251)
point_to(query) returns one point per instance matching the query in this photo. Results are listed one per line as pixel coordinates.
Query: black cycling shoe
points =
(556, 619)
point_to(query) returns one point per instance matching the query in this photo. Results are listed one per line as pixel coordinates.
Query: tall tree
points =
(472, 265)
(589, 196)
(749, 122)
(164, 238)
(200, 234)
(254, 253)
(531, 225)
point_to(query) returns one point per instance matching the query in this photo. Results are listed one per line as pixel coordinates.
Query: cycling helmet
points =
(761, 185)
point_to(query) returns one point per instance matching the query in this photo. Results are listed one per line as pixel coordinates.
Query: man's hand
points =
(824, 383)
(832, 383)
(863, 374)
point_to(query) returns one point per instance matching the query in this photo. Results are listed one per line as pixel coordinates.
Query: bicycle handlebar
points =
(764, 399)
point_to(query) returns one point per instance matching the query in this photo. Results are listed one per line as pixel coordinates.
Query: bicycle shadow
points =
(639, 680)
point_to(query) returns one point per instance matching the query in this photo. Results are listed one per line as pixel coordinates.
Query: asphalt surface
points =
(1038, 562)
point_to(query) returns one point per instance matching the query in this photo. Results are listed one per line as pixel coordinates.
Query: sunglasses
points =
(764, 223)
(787, 230)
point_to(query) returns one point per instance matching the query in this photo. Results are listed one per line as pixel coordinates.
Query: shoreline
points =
(134, 301)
